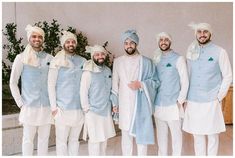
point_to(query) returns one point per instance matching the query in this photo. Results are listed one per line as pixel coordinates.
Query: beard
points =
(99, 62)
(70, 49)
(166, 48)
(204, 42)
(130, 51)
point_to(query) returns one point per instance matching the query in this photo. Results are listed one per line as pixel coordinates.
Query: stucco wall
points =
(106, 21)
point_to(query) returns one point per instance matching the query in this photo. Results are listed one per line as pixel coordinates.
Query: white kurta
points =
(125, 69)
(65, 117)
(173, 112)
(207, 118)
(99, 128)
(28, 115)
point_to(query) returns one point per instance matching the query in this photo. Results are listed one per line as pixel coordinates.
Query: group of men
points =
(73, 93)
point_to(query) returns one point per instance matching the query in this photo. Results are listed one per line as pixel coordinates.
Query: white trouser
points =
(162, 137)
(68, 134)
(200, 145)
(28, 137)
(127, 145)
(97, 149)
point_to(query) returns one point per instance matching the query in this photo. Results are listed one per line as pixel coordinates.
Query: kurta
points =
(135, 107)
(125, 69)
(206, 117)
(35, 115)
(98, 127)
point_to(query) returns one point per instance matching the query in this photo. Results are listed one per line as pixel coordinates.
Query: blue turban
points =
(131, 34)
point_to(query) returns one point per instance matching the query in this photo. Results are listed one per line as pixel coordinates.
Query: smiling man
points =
(134, 87)
(63, 88)
(95, 93)
(210, 77)
(172, 93)
(32, 66)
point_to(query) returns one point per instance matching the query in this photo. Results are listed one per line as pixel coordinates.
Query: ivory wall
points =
(105, 21)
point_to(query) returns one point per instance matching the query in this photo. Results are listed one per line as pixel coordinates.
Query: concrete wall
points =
(106, 21)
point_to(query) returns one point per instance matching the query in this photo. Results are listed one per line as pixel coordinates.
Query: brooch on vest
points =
(168, 65)
(210, 59)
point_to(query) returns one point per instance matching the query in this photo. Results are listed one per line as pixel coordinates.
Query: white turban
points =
(90, 65)
(163, 34)
(61, 59)
(67, 35)
(29, 54)
(158, 52)
(95, 48)
(30, 29)
(193, 49)
(200, 26)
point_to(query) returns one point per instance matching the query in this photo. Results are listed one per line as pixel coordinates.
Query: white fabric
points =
(163, 34)
(127, 145)
(52, 78)
(158, 52)
(200, 26)
(29, 55)
(203, 118)
(61, 60)
(226, 71)
(29, 133)
(90, 65)
(95, 48)
(142, 150)
(210, 120)
(97, 149)
(67, 35)
(30, 29)
(173, 112)
(162, 137)
(35, 116)
(125, 70)
(99, 128)
(193, 49)
(200, 146)
(67, 138)
(69, 117)
(28, 115)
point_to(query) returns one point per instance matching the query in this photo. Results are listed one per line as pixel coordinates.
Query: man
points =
(95, 100)
(210, 77)
(32, 66)
(134, 88)
(173, 76)
(64, 86)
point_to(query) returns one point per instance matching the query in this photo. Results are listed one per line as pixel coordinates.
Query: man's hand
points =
(54, 112)
(115, 109)
(134, 85)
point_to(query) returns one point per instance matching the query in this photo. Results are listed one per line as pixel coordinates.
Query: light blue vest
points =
(68, 84)
(205, 75)
(34, 82)
(169, 89)
(100, 91)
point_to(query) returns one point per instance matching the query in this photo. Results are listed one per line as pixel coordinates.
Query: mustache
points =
(202, 37)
